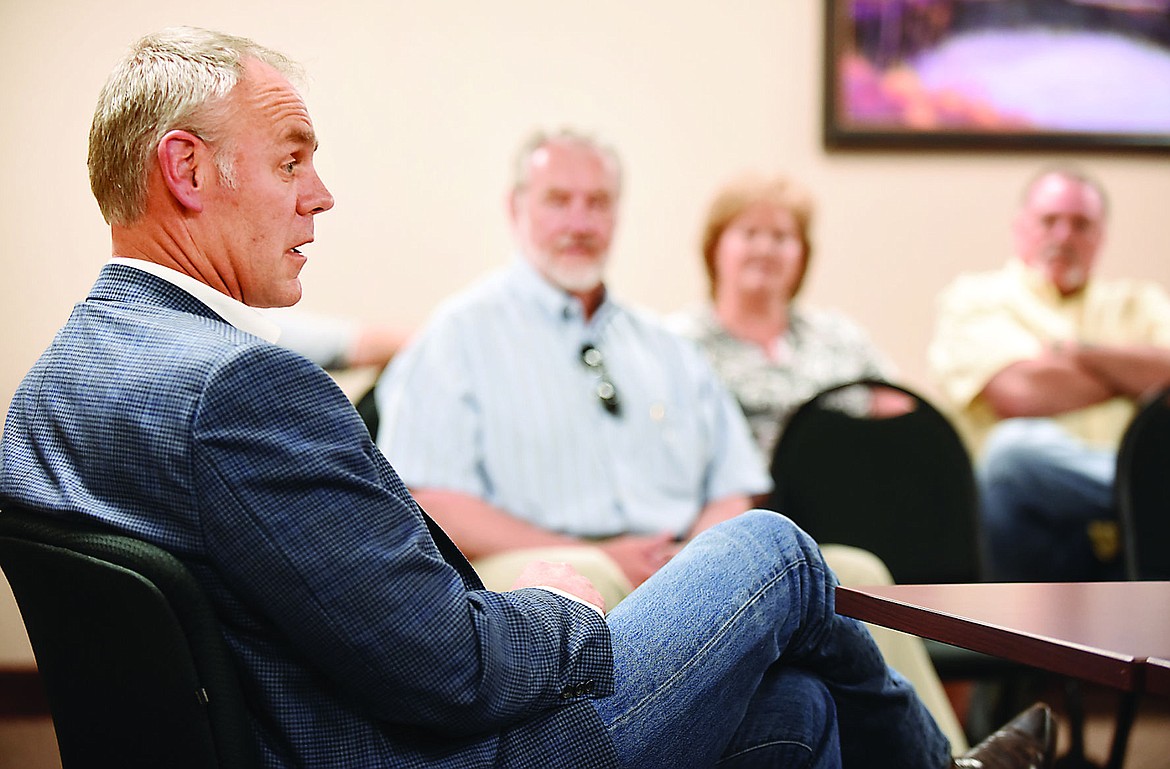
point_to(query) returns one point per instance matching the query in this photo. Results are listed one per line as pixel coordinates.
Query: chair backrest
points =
(1142, 490)
(134, 664)
(899, 486)
(367, 408)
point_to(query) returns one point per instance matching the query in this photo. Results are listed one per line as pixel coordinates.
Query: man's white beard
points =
(576, 278)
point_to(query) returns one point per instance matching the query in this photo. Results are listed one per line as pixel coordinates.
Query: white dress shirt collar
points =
(236, 313)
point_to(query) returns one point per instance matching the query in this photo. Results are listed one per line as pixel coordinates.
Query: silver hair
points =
(541, 138)
(1066, 172)
(175, 79)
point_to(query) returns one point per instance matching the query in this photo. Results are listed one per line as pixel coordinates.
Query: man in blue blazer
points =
(163, 410)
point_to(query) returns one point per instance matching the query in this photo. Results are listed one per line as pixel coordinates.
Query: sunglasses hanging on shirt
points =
(605, 390)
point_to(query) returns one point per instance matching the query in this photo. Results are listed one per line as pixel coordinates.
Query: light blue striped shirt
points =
(493, 400)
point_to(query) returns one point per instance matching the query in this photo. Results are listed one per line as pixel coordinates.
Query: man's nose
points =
(317, 198)
(1063, 229)
(582, 216)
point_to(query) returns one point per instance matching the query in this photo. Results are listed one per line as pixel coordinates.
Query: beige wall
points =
(420, 105)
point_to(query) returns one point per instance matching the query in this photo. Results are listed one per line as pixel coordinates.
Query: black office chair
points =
(1141, 493)
(1142, 490)
(903, 488)
(367, 408)
(135, 667)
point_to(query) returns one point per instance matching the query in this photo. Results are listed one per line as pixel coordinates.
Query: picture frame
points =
(997, 74)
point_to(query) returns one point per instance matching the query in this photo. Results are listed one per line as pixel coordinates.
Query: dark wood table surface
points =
(1102, 632)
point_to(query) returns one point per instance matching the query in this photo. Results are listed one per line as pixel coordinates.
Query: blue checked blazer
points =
(361, 644)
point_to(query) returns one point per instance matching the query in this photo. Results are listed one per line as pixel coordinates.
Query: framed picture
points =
(1007, 74)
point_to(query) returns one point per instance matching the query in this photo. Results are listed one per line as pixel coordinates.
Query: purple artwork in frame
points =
(1010, 74)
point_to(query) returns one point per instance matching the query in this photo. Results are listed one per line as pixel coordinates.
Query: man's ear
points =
(179, 156)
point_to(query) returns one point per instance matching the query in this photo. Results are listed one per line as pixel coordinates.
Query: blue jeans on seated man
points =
(1042, 491)
(732, 656)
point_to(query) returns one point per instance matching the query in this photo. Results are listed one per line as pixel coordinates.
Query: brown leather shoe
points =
(1025, 742)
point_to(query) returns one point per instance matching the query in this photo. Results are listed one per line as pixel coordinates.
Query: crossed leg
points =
(733, 651)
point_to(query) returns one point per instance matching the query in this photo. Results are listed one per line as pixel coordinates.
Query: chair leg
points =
(1126, 711)
(1074, 703)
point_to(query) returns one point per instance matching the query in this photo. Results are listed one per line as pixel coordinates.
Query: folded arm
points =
(1131, 370)
(1070, 376)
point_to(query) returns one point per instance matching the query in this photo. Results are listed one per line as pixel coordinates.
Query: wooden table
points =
(1096, 631)
(1111, 633)
(1158, 676)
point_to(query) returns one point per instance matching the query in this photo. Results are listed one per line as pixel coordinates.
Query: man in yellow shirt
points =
(1041, 367)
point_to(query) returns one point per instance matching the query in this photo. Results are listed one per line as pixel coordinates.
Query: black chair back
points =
(135, 668)
(367, 409)
(899, 486)
(1142, 490)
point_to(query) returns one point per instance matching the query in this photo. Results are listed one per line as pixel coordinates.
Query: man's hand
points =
(560, 576)
(640, 555)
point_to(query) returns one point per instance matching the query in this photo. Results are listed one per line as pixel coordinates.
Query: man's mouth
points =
(585, 246)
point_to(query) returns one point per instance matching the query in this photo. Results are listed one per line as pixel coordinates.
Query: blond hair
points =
(178, 78)
(744, 192)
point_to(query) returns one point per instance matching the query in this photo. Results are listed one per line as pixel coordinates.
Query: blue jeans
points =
(1039, 488)
(732, 656)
